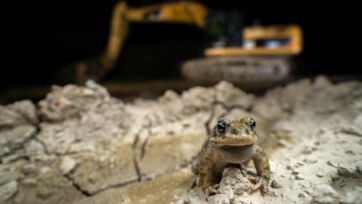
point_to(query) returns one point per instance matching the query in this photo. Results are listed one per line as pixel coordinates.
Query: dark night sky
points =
(38, 38)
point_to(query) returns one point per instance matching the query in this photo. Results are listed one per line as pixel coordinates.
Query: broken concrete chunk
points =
(14, 138)
(10, 118)
(58, 137)
(269, 106)
(274, 184)
(197, 99)
(67, 164)
(27, 109)
(230, 95)
(70, 101)
(324, 193)
(43, 192)
(295, 94)
(166, 153)
(97, 172)
(8, 190)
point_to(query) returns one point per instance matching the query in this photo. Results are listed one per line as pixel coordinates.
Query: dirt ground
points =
(82, 145)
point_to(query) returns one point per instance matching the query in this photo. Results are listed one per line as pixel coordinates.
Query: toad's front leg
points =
(261, 164)
(209, 182)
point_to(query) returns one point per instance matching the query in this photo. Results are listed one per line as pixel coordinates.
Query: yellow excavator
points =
(261, 58)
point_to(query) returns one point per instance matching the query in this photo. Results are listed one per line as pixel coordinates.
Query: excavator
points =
(259, 55)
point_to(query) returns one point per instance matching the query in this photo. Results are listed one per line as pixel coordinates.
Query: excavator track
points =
(240, 70)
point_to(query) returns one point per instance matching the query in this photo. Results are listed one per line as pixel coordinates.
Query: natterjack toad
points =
(230, 143)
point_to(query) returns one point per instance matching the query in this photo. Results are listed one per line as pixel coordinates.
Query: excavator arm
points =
(176, 12)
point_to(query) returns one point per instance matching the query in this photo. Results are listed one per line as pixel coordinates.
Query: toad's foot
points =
(195, 182)
(260, 184)
(211, 190)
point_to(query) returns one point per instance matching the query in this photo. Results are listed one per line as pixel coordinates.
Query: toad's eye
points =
(252, 124)
(221, 126)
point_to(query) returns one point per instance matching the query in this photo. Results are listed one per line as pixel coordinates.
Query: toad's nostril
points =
(234, 131)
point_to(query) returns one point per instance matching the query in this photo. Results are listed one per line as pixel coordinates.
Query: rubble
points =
(87, 146)
(7, 190)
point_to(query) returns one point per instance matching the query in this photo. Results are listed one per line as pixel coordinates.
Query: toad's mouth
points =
(238, 142)
(232, 148)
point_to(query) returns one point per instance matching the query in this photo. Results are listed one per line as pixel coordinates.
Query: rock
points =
(93, 175)
(180, 148)
(344, 172)
(331, 164)
(269, 106)
(7, 176)
(113, 144)
(235, 178)
(27, 109)
(67, 164)
(70, 101)
(302, 195)
(197, 99)
(19, 113)
(17, 122)
(160, 190)
(359, 171)
(35, 150)
(294, 94)
(12, 157)
(30, 181)
(14, 138)
(278, 103)
(172, 104)
(230, 95)
(341, 94)
(321, 81)
(324, 193)
(274, 184)
(10, 118)
(319, 174)
(43, 192)
(8, 190)
(29, 169)
(309, 161)
(17, 127)
(353, 196)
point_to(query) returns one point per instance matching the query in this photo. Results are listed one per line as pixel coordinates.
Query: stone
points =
(269, 106)
(6, 176)
(43, 192)
(27, 109)
(8, 190)
(14, 138)
(35, 150)
(30, 181)
(92, 143)
(149, 192)
(230, 95)
(197, 99)
(321, 81)
(180, 150)
(70, 101)
(67, 165)
(324, 193)
(93, 175)
(10, 118)
(274, 184)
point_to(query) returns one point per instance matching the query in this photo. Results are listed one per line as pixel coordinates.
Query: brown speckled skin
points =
(230, 143)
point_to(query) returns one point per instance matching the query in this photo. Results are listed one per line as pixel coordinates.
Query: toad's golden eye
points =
(252, 124)
(221, 126)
